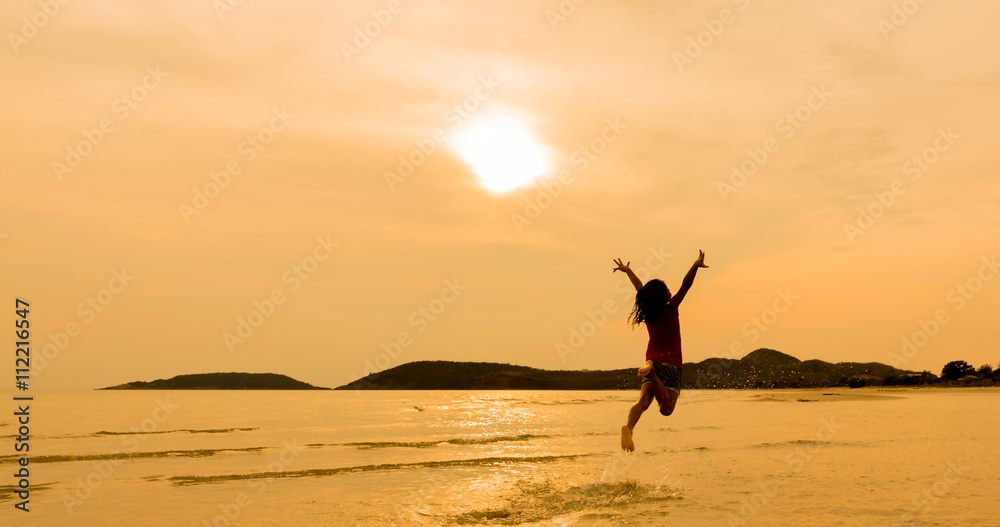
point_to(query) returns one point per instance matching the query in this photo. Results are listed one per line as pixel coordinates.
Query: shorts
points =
(669, 375)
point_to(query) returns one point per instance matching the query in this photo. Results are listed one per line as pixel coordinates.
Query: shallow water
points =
(196, 458)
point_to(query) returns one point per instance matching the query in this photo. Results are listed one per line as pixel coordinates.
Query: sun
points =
(502, 152)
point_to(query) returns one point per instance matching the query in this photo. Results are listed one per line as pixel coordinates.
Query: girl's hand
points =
(700, 262)
(621, 267)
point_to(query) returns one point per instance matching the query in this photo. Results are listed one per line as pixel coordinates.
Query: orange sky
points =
(839, 97)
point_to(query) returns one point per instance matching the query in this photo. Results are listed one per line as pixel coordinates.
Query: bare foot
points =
(627, 444)
(645, 369)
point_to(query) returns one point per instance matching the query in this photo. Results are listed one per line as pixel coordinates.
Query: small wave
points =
(790, 443)
(807, 442)
(132, 455)
(8, 492)
(190, 431)
(560, 403)
(317, 472)
(428, 444)
(108, 433)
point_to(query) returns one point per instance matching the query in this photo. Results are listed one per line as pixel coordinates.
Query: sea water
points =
(328, 458)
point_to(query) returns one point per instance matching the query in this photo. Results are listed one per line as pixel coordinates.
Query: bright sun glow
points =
(502, 152)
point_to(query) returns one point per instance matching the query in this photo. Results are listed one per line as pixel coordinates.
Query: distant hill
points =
(762, 368)
(767, 368)
(220, 381)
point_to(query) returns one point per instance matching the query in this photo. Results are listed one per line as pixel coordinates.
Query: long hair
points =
(650, 302)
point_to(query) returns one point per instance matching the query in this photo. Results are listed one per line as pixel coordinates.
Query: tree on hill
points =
(985, 370)
(957, 369)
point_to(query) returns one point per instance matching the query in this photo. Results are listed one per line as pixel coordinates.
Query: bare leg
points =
(665, 397)
(634, 413)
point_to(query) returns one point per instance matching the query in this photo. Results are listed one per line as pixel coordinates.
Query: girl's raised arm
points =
(689, 278)
(625, 269)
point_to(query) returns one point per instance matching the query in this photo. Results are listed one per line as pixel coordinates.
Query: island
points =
(220, 381)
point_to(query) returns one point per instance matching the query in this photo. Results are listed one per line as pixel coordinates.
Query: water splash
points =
(619, 467)
(634, 470)
(552, 501)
